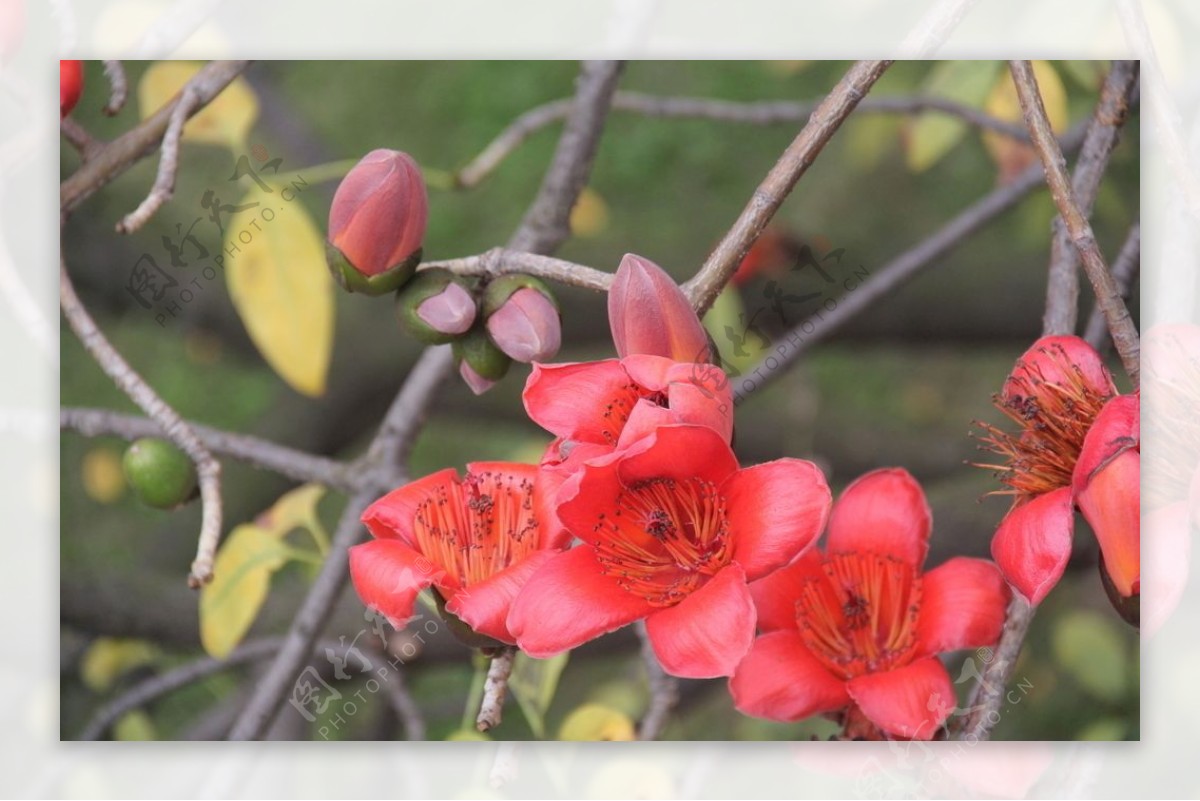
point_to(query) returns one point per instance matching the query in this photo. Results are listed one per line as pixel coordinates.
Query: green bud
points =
(478, 351)
(501, 289)
(352, 280)
(436, 306)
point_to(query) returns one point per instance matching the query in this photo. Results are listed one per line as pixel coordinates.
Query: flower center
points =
(620, 406)
(664, 539)
(1054, 417)
(475, 528)
(860, 615)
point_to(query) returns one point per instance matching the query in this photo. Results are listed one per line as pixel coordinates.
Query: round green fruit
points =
(161, 475)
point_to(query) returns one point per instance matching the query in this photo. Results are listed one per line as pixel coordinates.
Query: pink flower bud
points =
(377, 222)
(649, 314)
(449, 312)
(474, 380)
(526, 326)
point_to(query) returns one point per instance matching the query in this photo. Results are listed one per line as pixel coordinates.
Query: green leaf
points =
(135, 726)
(933, 134)
(592, 722)
(241, 578)
(725, 321)
(533, 683)
(1103, 730)
(1089, 646)
(281, 287)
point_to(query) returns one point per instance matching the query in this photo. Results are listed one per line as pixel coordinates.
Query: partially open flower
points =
(475, 540)
(522, 318)
(857, 629)
(377, 223)
(649, 314)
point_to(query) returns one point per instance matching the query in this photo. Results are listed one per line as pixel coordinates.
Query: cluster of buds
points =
(376, 228)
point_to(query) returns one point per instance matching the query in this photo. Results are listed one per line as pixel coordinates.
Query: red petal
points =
(1033, 543)
(910, 702)
(387, 575)
(484, 606)
(706, 634)
(776, 511)
(1110, 505)
(392, 515)
(882, 512)
(781, 680)
(963, 603)
(681, 452)
(649, 313)
(1058, 360)
(569, 601)
(1115, 430)
(572, 400)
(701, 394)
(775, 594)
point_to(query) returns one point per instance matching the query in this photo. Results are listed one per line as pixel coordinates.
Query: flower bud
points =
(482, 363)
(377, 222)
(436, 306)
(649, 314)
(474, 380)
(70, 85)
(522, 318)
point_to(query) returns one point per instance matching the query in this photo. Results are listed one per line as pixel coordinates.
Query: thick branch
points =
(717, 110)
(664, 691)
(1116, 314)
(1062, 290)
(1124, 270)
(495, 690)
(286, 461)
(135, 144)
(704, 287)
(987, 697)
(174, 427)
(499, 261)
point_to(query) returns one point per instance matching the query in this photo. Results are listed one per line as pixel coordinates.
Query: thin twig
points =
(78, 137)
(664, 690)
(405, 706)
(719, 267)
(717, 110)
(495, 690)
(788, 348)
(1124, 271)
(987, 696)
(129, 148)
(168, 164)
(1062, 287)
(119, 87)
(174, 427)
(262, 453)
(1116, 314)
(499, 261)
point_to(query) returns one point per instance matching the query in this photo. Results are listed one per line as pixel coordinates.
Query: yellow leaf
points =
(933, 134)
(295, 509)
(135, 726)
(241, 578)
(109, 658)
(589, 217)
(103, 478)
(1012, 156)
(227, 120)
(596, 722)
(275, 267)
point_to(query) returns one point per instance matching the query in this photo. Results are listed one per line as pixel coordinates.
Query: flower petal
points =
(776, 511)
(649, 313)
(882, 512)
(1115, 430)
(387, 575)
(702, 394)
(963, 603)
(775, 594)
(780, 679)
(1033, 543)
(1061, 360)
(485, 606)
(583, 401)
(910, 702)
(391, 516)
(706, 634)
(681, 452)
(569, 601)
(1110, 504)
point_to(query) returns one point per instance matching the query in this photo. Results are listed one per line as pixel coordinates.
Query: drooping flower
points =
(857, 629)
(475, 540)
(672, 531)
(1077, 444)
(649, 314)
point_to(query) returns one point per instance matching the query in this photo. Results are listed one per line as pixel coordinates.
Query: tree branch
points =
(1062, 288)
(717, 110)
(499, 261)
(1108, 298)
(704, 287)
(78, 137)
(168, 164)
(988, 694)
(174, 427)
(262, 453)
(664, 690)
(1124, 271)
(495, 690)
(118, 87)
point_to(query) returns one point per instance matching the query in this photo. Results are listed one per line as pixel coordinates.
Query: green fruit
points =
(161, 475)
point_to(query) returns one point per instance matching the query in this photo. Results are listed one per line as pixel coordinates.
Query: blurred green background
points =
(899, 386)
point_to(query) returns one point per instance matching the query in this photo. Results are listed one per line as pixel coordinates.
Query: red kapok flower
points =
(1078, 444)
(649, 314)
(859, 627)
(70, 85)
(672, 531)
(475, 540)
